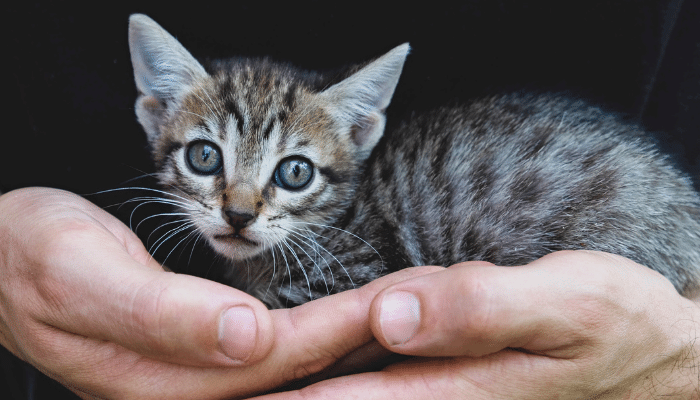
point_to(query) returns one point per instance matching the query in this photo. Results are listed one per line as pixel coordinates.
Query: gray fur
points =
(506, 179)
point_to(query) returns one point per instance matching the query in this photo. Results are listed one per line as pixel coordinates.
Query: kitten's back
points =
(511, 178)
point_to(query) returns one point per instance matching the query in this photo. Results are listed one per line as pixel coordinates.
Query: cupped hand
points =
(83, 301)
(571, 325)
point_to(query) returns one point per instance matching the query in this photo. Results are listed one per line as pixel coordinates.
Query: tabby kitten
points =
(288, 174)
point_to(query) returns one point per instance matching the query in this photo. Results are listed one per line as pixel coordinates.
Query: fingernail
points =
(399, 317)
(238, 330)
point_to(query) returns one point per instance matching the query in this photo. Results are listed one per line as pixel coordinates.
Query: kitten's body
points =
(507, 179)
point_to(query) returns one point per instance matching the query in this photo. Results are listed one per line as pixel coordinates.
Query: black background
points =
(70, 122)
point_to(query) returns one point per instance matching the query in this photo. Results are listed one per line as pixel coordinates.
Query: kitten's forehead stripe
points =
(333, 176)
(268, 129)
(290, 96)
(230, 105)
(202, 125)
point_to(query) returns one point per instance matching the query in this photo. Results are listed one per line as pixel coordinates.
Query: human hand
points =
(572, 325)
(83, 301)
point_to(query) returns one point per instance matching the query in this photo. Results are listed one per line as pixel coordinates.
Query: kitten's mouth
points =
(236, 238)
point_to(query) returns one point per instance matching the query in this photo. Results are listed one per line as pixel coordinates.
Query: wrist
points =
(678, 372)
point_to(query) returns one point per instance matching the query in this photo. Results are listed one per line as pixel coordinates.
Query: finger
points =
(308, 339)
(107, 295)
(503, 376)
(475, 309)
(315, 335)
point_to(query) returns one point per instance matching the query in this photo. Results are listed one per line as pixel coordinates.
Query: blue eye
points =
(294, 173)
(204, 158)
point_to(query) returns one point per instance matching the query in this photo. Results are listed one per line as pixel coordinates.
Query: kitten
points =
(288, 174)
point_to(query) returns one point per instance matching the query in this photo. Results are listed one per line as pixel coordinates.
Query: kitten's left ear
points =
(360, 100)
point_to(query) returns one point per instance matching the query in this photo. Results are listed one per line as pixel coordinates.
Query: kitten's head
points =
(256, 150)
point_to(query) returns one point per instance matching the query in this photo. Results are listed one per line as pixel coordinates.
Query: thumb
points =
(107, 295)
(476, 308)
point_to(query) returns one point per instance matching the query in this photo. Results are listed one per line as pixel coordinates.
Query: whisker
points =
(308, 283)
(196, 239)
(312, 260)
(314, 246)
(148, 239)
(353, 235)
(131, 216)
(336, 260)
(289, 272)
(171, 233)
(176, 245)
(184, 199)
(145, 175)
(274, 271)
(136, 229)
(187, 206)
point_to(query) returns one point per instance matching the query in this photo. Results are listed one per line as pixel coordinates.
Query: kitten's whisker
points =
(178, 221)
(187, 206)
(131, 216)
(136, 229)
(308, 283)
(151, 199)
(145, 175)
(274, 271)
(169, 235)
(336, 260)
(314, 246)
(194, 245)
(351, 234)
(176, 245)
(312, 260)
(289, 272)
(184, 199)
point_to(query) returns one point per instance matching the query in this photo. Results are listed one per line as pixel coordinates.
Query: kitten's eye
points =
(204, 158)
(294, 173)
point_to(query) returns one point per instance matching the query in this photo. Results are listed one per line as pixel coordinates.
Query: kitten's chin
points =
(235, 247)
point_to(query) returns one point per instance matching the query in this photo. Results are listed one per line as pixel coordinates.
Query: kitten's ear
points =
(163, 69)
(361, 99)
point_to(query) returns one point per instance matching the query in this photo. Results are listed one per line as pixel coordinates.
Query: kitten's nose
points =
(238, 220)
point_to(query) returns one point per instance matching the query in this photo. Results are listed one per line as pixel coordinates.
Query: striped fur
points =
(506, 179)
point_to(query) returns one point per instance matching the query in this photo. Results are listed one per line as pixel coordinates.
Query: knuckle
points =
(148, 316)
(313, 360)
(50, 262)
(310, 358)
(476, 310)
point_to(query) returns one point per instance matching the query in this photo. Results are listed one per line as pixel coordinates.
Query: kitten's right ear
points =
(163, 69)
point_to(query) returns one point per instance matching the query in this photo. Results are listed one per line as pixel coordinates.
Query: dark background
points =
(71, 93)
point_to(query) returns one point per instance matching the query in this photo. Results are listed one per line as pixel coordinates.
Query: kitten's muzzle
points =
(238, 221)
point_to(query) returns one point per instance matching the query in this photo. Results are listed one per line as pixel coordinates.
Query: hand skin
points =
(81, 300)
(571, 325)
